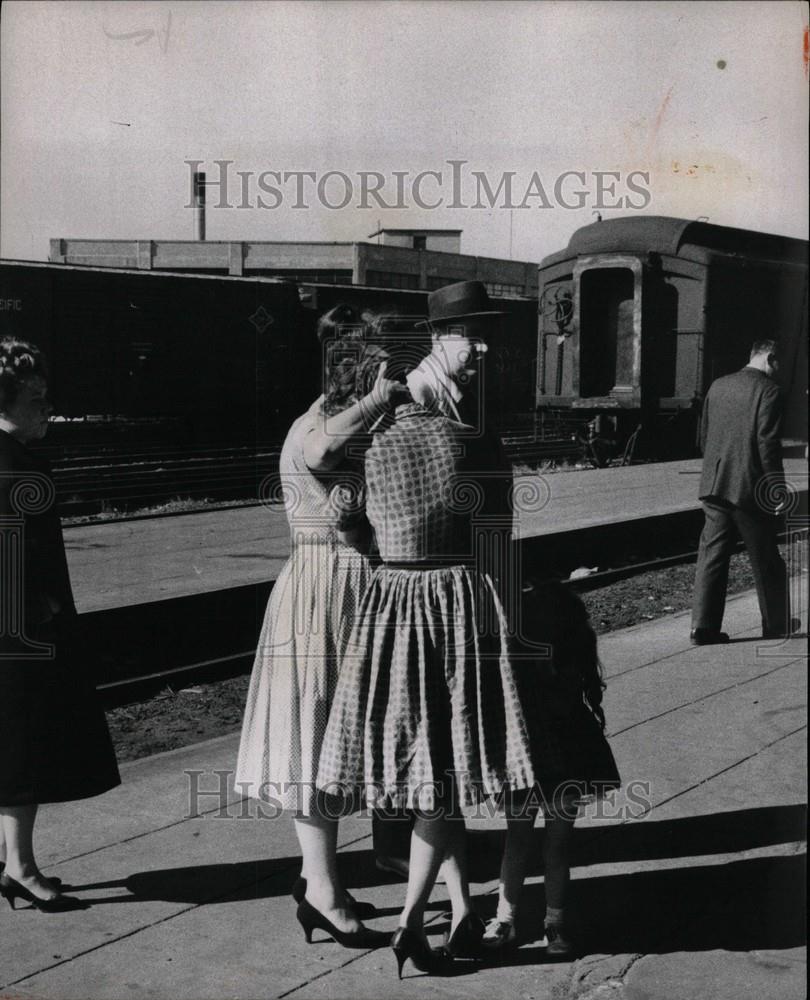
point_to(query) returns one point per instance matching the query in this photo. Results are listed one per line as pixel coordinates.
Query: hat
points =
(462, 300)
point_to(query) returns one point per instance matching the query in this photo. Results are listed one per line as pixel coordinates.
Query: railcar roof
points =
(667, 235)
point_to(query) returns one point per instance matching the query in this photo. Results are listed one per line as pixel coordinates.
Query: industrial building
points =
(420, 259)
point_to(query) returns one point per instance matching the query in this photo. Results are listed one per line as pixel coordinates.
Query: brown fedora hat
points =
(459, 301)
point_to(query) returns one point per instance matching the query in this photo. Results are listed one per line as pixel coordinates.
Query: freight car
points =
(142, 358)
(638, 316)
(155, 357)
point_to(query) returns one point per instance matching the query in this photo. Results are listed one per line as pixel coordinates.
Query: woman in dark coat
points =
(54, 741)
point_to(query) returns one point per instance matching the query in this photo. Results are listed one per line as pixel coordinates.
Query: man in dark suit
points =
(742, 474)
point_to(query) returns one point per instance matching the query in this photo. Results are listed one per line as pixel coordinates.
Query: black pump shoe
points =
(311, 919)
(465, 941)
(408, 945)
(11, 891)
(361, 910)
(55, 882)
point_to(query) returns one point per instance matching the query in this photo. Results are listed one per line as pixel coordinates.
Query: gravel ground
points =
(177, 718)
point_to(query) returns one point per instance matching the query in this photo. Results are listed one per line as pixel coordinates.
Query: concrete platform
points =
(689, 888)
(119, 564)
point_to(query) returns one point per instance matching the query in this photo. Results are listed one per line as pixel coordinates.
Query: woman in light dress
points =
(310, 615)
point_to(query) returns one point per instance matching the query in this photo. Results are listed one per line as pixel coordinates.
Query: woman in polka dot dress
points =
(427, 715)
(309, 616)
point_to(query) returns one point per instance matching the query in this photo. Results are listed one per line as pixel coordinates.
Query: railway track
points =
(118, 479)
(95, 483)
(218, 624)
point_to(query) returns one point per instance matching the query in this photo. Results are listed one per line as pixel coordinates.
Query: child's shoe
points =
(559, 946)
(498, 934)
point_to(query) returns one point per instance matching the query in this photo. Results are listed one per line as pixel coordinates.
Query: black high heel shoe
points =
(311, 919)
(465, 941)
(11, 891)
(55, 882)
(409, 945)
(361, 910)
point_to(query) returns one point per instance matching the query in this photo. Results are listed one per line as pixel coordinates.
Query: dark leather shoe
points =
(795, 626)
(465, 941)
(707, 637)
(361, 910)
(408, 945)
(55, 882)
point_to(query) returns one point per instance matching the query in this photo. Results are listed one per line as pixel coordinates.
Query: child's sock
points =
(554, 918)
(506, 911)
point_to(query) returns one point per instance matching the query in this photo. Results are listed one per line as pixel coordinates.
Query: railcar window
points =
(607, 331)
(501, 289)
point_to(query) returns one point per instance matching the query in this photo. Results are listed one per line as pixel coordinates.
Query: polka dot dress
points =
(308, 620)
(427, 705)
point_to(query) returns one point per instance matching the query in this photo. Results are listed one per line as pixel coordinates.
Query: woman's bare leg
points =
(317, 835)
(429, 842)
(454, 870)
(18, 831)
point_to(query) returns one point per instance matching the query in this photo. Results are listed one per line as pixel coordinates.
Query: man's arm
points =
(704, 424)
(769, 424)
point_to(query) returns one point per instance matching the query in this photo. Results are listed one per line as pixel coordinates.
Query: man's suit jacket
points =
(740, 440)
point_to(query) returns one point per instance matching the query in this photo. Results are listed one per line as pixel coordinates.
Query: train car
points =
(188, 361)
(637, 316)
(138, 356)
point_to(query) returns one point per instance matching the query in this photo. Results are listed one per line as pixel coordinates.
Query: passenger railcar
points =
(638, 315)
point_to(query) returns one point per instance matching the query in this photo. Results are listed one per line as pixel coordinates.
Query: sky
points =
(103, 103)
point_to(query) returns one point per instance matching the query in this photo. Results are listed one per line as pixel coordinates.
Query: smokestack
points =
(199, 205)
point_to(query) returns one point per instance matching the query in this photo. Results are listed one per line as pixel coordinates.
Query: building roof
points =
(411, 232)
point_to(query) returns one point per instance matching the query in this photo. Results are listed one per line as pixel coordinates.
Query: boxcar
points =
(638, 316)
(191, 360)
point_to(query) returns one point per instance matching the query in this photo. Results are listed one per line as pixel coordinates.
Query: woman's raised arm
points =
(325, 445)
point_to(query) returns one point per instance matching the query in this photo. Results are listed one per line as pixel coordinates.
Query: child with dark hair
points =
(571, 756)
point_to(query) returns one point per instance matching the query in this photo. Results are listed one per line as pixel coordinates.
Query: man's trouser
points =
(721, 529)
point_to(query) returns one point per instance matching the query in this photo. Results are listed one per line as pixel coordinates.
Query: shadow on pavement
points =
(203, 883)
(647, 839)
(740, 905)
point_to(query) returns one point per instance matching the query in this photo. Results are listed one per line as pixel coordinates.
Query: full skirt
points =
(306, 626)
(427, 708)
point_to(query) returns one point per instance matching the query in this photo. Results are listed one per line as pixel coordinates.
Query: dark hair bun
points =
(342, 321)
(19, 361)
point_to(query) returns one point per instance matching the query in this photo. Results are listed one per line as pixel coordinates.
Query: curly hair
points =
(20, 361)
(351, 370)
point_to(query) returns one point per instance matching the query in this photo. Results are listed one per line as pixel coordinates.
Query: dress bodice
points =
(318, 505)
(429, 483)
